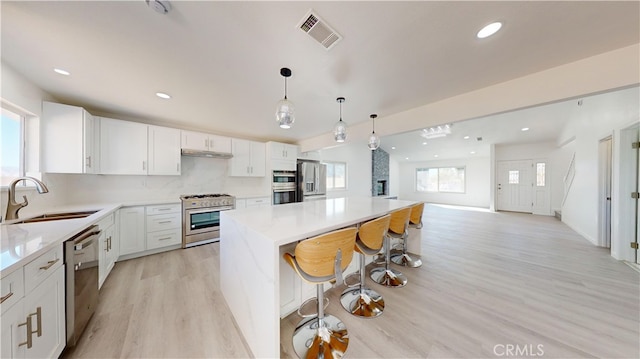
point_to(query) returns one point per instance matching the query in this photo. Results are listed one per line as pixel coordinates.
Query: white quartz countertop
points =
(21, 243)
(294, 221)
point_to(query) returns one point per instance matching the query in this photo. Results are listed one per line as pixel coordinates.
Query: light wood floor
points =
(489, 280)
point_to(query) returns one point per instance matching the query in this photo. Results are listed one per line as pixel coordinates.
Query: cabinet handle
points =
(106, 245)
(164, 222)
(164, 209)
(38, 315)
(164, 238)
(49, 264)
(29, 342)
(144, 165)
(206, 143)
(89, 161)
(6, 296)
(109, 242)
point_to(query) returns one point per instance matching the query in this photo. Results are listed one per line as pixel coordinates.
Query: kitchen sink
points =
(55, 217)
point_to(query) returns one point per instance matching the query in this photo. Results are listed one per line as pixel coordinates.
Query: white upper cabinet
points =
(131, 148)
(283, 156)
(249, 159)
(283, 151)
(69, 139)
(164, 151)
(205, 142)
(123, 147)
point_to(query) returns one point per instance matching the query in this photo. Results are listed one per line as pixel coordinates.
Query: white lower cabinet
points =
(132, 230)
(164, 226)
(34, 326)
(108, 246)
(253, 202)
(146, 228)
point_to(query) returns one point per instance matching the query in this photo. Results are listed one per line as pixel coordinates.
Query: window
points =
(336, 175)
(11, 150)
(540, 174)
(442, 179)
(514, 177)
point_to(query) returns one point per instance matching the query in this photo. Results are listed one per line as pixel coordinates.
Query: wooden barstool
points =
(415, 221)
(385, 275)
(318, 260)
(362, 301)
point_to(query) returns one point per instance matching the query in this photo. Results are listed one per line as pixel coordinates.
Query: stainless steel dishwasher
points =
(81, 258)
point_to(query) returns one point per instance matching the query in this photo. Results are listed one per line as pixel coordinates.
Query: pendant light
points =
(374, 140)
(340, 131)
(285, 110)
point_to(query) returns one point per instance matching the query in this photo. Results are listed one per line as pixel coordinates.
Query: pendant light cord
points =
(285, 88)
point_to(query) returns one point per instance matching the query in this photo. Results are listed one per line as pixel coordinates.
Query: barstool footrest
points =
(313, 312)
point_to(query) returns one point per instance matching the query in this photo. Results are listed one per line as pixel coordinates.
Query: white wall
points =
(598, 117)
(394, 177)
(477, 172)
(358, 159)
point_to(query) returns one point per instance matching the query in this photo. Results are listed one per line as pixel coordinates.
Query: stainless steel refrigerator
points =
(312, 181)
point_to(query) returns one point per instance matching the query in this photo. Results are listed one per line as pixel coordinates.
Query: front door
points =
(515, 186)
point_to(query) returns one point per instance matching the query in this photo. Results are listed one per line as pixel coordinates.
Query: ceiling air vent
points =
(318, 29)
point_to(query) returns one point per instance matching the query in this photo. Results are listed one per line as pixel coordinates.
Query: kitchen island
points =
(250, 256)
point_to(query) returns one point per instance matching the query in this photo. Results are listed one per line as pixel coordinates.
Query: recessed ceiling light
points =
(393, 148)
(436, 156)
(424, 143)
(163, 95)
(524, 129)
(466, 137)
(62, 72)
(473, 152)
(406, 158)
(489, 30)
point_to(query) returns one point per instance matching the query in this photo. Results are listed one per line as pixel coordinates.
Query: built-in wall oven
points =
(283, 187)
(201, 217)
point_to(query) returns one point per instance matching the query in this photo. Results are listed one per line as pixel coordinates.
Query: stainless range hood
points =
(208, 154)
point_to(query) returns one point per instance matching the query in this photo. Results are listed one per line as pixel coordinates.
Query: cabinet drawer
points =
(107, 221)
(38, 270)
(12, 289)
(163, 222)
(164, 238)
(261, 201)
(163, 209)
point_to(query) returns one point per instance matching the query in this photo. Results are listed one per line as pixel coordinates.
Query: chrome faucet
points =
(12, 206)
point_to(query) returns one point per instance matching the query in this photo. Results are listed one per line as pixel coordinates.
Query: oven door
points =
(284, 193)
(202, 220)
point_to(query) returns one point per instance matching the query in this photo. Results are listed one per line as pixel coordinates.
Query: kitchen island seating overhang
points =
(258, 234)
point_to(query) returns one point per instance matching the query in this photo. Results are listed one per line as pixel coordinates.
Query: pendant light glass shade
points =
(285, 111)
(340, 130)
(374, 140)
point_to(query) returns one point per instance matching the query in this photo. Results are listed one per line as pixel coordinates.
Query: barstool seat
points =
(361, 300)
(318, 260)
(415, 221)
(385, 275)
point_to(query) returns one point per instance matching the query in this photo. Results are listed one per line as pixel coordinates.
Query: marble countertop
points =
(21, 243)
(294, 221)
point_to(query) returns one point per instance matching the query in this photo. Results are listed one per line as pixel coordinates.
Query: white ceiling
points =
(220, 60)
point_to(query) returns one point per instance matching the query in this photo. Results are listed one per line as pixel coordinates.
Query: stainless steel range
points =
(201, 217)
